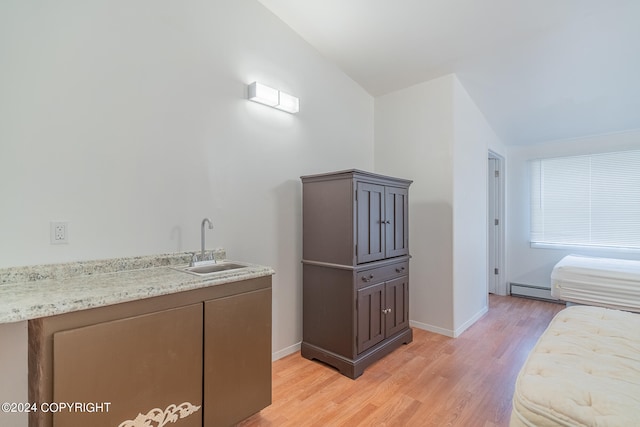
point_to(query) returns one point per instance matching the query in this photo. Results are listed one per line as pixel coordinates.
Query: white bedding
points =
(606, 282)
(584, 371)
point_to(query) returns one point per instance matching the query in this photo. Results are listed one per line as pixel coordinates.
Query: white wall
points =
(534, 265)
(434, 134)
(413, 134)
(129, 121)
(472, 138)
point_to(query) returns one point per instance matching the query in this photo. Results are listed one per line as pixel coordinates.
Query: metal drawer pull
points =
(367, 279)
(386, 311)
(399, 269)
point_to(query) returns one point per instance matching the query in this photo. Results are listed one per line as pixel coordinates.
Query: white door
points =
(494, 226)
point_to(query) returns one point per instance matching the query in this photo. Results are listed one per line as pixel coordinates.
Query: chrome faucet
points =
(202, 236)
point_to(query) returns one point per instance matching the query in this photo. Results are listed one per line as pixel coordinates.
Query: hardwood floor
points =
(434, 381)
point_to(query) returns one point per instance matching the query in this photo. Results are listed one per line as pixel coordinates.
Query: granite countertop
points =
(46, 290)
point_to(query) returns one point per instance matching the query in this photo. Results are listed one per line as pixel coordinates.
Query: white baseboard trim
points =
(431, 328)
(424, 326)
(285, 351)
(448, 332)
(470, 322)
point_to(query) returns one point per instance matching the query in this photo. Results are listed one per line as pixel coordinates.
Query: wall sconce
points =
(273, 98)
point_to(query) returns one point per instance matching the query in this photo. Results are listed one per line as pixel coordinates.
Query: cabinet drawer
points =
(381, 274)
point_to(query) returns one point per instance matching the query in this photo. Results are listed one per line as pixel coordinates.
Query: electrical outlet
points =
(59, 232)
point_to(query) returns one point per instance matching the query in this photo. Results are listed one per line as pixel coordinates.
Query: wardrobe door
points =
(396, 221)
(370, 222)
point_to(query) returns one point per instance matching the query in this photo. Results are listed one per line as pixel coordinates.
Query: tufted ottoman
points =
(584, 371)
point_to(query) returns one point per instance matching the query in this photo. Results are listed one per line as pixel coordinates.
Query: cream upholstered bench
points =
(584, 371)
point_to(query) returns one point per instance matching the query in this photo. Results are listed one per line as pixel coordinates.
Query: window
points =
(591, 200)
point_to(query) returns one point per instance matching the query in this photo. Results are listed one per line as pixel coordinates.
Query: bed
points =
(583, 371)
(605, 282)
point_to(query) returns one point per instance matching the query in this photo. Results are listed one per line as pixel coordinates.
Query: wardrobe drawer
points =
(381, 274)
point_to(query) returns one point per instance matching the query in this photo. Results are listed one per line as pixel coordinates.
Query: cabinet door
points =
(396, 221)
(237, 357)
(371, 328)
(145, 367)
(396, 305)
(370, 222)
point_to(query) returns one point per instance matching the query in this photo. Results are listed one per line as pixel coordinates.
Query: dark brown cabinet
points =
(383, 310)
(135, 364)
(202, 357)
(355, 268)
(237, 357)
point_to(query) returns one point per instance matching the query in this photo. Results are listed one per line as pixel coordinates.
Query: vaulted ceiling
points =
(539, 70)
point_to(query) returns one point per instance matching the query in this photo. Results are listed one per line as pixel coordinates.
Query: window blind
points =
(591, 200)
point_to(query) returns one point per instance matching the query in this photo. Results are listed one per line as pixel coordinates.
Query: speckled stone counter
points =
(38, 291)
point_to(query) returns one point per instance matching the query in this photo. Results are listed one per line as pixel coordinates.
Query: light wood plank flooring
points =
(434, 381)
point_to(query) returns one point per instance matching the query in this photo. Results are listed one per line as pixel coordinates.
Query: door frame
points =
(496, 283)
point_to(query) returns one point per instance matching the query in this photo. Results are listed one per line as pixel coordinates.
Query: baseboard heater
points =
(531, 291)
